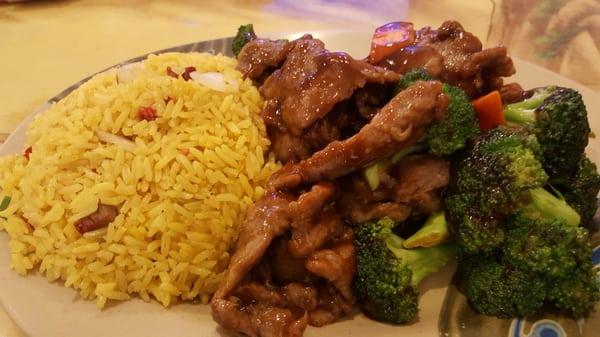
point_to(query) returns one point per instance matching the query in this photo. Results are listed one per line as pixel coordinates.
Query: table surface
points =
(48, 45)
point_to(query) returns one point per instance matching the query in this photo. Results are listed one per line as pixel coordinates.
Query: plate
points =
(44, 309)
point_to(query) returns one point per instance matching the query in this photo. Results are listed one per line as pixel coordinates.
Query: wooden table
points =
(49, 45)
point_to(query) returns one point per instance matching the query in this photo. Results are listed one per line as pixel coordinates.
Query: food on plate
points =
(522, 243)
(163, 179)
(135, 182)
(389, 273)
(399, 163)
(558, 119)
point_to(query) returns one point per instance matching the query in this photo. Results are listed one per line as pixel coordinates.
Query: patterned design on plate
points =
(542, 328)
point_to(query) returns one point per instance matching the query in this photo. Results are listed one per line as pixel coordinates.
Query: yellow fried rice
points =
(182, 182)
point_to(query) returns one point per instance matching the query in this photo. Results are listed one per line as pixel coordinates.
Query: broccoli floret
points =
(244, 35)
(581, 190)
(549, 246)
(418, 74)
(387, 275)
(577, 293)
(494, 176)
(459, 124)
(500, 290)
(558, 118)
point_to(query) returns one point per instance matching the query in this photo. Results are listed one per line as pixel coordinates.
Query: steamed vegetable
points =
(521, 244)
(433, 232)
(489, 109)
(390, 38)
(459, 124)
(558, 118)
(501, 173)
(388, 275)
(244, 35)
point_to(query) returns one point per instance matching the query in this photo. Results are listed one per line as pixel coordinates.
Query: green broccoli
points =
(498, 174)
(387, 275)
(558, 118)
(459, 124)
(517, 282)
(561, 254)
(577, 293)
(501, 290)
(417, 74)
(244, 35)
(581, 190)
(522, 245)
(443, 138)
(549, 246)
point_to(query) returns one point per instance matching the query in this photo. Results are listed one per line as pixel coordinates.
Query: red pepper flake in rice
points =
(147, 113)
(186, 73)
(185, 151)
(171, 73)
(27, 152)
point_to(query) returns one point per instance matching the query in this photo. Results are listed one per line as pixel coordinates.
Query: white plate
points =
(45, 309)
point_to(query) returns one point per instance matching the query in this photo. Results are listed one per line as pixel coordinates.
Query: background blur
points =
(48, 45)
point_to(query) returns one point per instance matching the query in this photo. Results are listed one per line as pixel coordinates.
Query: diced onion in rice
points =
(129, 72)
(214, 81)
(122, 142)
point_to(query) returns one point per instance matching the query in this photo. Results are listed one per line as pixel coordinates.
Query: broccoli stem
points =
(544, 204)
(371, 173)
(433, 232)
(524, 112)
(422, 261)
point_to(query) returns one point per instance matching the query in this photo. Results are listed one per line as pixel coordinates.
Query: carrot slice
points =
(389, 38)
(490, 112)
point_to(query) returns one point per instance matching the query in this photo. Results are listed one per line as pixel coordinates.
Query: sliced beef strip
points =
(455, 56)
(337, 265)
(331, 307)
(414, 57)
(370, 99)
(266, 220)
(250, 292)
(420, 178)
(358, 211)
(260, 55)
(285, 266)
(259, 320)
(306, 240)
(301, 295)
(466, 64)
(313, 223)
(413, 188)
(294, 295)
(399, 124)
(310, 204)
(338, 124)
(513, 92)
(312, 80)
